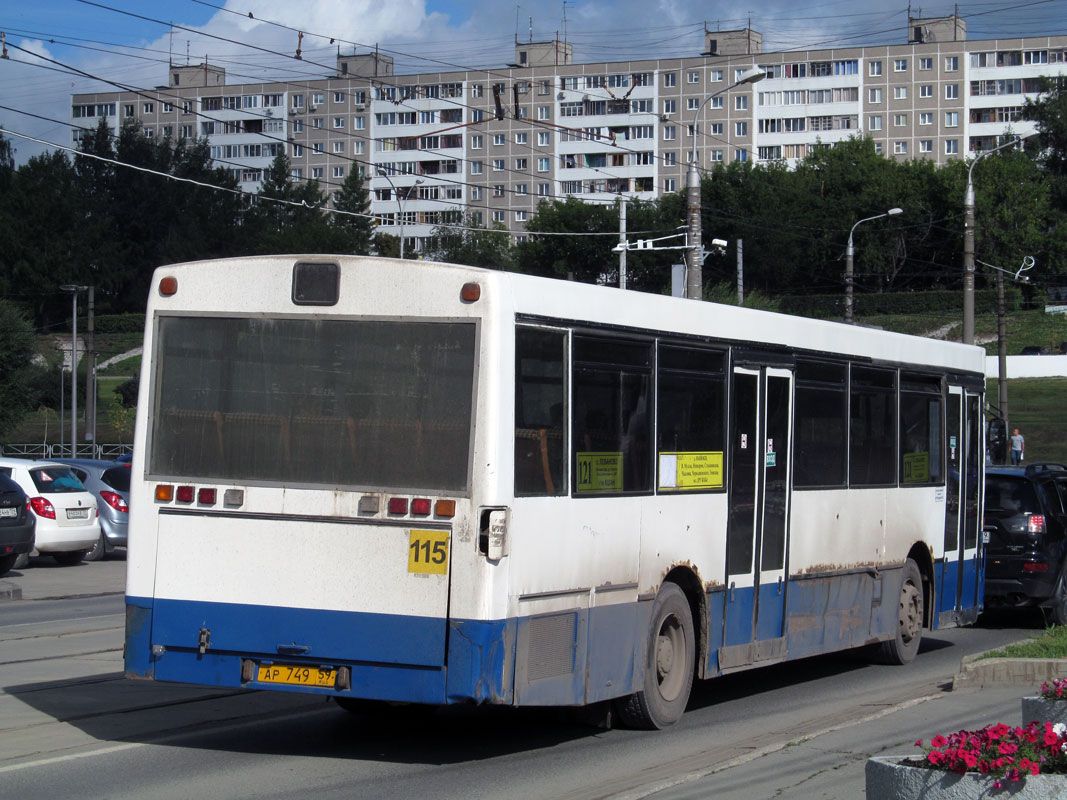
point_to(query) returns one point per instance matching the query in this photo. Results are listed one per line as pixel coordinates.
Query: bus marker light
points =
(168, 286)
(368, 504)
(185, 494)
(421, 507)
(398, 505)
(445, 508)
(164, 493)
(234, 498)
(206, 497)
(470, 293)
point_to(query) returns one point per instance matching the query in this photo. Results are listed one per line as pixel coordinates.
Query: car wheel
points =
(7, 562)
(69, 557)
(99, 549)
(22, 561)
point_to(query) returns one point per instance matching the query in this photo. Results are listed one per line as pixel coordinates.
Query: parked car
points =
(110, 482)
(1026, 544)
(68, 523)
(17, 524)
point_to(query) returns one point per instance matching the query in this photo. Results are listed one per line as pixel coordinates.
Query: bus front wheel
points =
(669, 665)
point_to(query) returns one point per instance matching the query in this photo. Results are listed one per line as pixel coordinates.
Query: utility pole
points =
(740, 272)
(849, 254)
(622, 242)
(73, 289)
(90, 375)
(1002, 357)
(694, 279)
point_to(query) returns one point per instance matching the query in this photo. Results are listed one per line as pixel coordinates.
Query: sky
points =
(132, 42)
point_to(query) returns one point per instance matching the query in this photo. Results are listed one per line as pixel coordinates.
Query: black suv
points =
(17, 524)
(1026, 537)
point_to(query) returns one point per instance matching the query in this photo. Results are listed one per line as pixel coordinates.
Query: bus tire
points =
(669, 665)
(903, 647)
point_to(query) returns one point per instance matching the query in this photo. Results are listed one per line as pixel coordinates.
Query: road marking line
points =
(43, 762)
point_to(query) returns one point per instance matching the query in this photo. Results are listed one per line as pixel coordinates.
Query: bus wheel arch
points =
(670, 656)
(903, 644)
(920, 554)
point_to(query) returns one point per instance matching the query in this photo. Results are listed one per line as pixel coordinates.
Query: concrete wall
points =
(1028, 367)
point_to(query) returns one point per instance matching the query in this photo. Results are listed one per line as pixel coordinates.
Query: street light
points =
(849, 253)
(694, 281)
(400, 208)
(968, 241)
(73, 289)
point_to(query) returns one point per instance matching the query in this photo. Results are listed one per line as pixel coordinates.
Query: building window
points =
(740, 129)
(522, 138)
(498, 164)
(926, 118)
(900, 148)
(692, 103)
(926, 145)
(875, 122)
(498, 190)
(542, 165)
(952, 63)
(520, 216)
(357, 148)
(715, 76)
(716, 155)
(316, 122)
(900, 120)
(318, 98)
(477, 142)
(670, 133)
(128, 110)
(498, 216)
(669, 79)
(741, 102)
(900, 92)
(149, 108)
(148, 133)
(670, 106)
(338, 122)
(338, 172)
(522, 164)
(952, 119)
(338, 147)
(874, 96)
(900, 65)
(316, 147)
(360, 123)
(476, 168)
(926, 90)
(716, 129)
(926, 64)
(338, 97)
(298, 150)
(498, 139)
(544, 113)
(878, 148)
(316, 173)
(670, 185)
(542, 190)
(874, 68)
(693, 77)
(716, 102)
(952, 91)
(520, 188)
(543, 138)
(476, 193)
(952, 146)
(741, 154)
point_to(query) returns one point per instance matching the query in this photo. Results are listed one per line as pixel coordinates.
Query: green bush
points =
(832, 306)
(119, 323)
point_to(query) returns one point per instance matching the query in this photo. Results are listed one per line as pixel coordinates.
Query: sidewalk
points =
(45, 579)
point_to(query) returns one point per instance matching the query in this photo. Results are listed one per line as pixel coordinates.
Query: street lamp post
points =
(849, 253)
(694, 281)
(73, 289)
(968, 241)
(400, 207)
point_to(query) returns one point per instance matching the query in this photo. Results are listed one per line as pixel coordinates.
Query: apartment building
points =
(497, 142)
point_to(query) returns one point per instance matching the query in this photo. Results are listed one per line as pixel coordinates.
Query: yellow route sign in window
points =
(916, 468)
(599, 472)
(695, 470)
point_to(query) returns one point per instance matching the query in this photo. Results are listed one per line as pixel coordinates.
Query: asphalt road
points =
(71, 726)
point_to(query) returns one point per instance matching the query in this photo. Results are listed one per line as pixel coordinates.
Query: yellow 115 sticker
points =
(428, 552)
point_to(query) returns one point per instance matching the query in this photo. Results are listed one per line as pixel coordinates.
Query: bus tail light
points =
(185, 494)
(493, 538)
(398, 505)
(164, 493)
(420, 507)
(206, 496)
(445, 508)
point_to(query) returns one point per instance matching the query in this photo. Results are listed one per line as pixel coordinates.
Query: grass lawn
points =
(1051, 644)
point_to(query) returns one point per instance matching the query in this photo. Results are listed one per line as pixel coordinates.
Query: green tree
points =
(288, 216)
(352, 230)
(17, 343)
(463, 240)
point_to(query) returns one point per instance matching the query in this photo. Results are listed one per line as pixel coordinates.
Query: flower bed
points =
(1003, 753)
(1050, 705)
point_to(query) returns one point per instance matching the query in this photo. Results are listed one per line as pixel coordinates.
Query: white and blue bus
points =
(409, 482)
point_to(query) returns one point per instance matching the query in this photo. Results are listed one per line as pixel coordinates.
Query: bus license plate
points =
(296, 675)
(9, 512)
(77, 513)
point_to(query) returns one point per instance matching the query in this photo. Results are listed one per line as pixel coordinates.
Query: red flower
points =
(937, 741)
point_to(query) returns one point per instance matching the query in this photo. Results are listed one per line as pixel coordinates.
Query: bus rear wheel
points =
(669, 665)
(903, 647)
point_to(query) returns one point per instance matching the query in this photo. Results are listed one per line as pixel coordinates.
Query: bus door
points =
(960, 579)
(758, 524)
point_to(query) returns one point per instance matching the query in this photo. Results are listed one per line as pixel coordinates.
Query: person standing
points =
(1018, 447)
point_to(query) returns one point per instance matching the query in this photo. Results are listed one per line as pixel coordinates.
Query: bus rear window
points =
(335, 403)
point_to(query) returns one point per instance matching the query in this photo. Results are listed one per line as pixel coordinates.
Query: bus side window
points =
(540, 402)
(612, 416)
(690, 408)
(872, 427)
(820, 454)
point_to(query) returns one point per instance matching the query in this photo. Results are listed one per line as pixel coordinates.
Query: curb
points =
(10, 591)
(977, 672)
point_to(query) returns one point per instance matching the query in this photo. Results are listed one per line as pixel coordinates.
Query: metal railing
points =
(84, 450)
